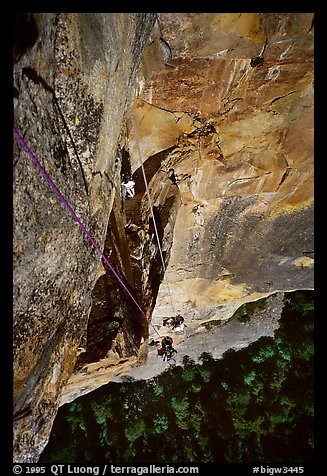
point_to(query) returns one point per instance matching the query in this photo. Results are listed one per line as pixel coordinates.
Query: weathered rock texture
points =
(74, 75)
(223, 124)
(233, 109)
(227, 147)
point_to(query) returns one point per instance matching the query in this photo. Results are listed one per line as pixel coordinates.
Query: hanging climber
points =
(168, 321)
(167, 351)
(167, 341)
(128, 184)
(175, 323)
(178, 323)
(171, 176)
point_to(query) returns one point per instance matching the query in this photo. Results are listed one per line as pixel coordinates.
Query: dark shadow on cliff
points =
(139, 219)
(25, 34)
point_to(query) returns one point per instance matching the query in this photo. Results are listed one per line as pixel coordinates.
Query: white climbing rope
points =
(150, 203)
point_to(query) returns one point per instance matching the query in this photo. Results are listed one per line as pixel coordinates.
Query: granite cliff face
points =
(74, 75)
(235, 104)
(223, 122)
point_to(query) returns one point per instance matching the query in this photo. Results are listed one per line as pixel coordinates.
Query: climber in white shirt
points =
(129, 184)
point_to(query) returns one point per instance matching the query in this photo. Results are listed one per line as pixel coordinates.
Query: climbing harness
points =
(150, 203)
(72, 212)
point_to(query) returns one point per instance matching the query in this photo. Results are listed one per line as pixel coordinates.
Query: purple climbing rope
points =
(72, 212)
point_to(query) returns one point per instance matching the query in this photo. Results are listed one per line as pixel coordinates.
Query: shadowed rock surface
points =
(74, 80)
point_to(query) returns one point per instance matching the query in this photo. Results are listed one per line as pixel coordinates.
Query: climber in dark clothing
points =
(167, 351)
(178, 323)
(171, 175)
(167, 341)
(168, 321)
